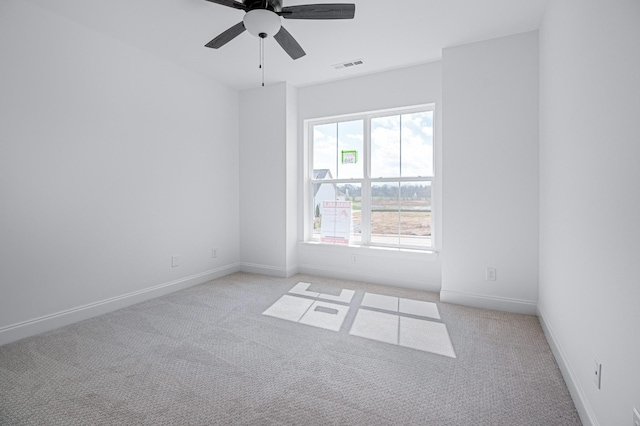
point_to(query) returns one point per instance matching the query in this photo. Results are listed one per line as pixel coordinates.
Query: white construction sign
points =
(336, 222)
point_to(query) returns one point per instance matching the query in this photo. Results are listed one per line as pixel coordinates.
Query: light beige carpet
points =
(208, 355)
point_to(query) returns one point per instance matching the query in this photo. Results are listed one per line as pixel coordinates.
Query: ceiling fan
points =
(262, 19)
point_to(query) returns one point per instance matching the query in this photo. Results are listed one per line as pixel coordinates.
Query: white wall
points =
(404, 87)
(590, 200)
(267, 180)
(490, 180)
(111, 162)
(292, 179)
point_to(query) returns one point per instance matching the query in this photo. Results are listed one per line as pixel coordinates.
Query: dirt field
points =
(412, 223)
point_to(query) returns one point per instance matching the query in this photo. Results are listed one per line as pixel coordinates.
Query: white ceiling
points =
(385, 34)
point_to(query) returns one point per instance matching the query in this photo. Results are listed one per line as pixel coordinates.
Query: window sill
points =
(374, 251)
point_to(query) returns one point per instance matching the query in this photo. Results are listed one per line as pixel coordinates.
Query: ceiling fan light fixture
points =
(262, 21)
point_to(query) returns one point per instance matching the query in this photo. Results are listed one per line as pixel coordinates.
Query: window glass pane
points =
(385, 146)
(385, 213)
(350, 155)
(415, 214)
(401, 213)
(338, 192)
(417, 144)
(325, 148)
(353, 192)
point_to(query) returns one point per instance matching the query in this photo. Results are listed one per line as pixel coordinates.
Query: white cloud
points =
(324, 147)
(386, 152)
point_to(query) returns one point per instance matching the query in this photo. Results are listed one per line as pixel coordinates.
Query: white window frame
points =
(367, 180)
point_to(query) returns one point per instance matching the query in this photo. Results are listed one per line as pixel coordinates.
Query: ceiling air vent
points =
(348, 64)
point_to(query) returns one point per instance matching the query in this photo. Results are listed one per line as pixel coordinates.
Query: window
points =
(370, 179)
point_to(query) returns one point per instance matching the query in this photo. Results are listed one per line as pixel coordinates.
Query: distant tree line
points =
(405, 191)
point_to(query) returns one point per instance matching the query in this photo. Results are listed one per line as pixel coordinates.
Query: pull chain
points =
(262, 59)
(262, 37)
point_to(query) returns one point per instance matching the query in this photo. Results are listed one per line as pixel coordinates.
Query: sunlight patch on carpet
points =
(325, 315)
(301, 289)
(329, 316)
(399, 304)
(379, 317)
(289, 308)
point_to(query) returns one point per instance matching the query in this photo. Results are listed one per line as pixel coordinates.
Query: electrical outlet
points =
(491, 274)
(214, 253)
(597, 373)
(175, 261)
(636, 417)
(354, 258)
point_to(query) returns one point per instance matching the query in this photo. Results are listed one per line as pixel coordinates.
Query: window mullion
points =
(400, 143)
(399, 211)
(310, 214)
(400, 186)
(365, 227)
(337, 152)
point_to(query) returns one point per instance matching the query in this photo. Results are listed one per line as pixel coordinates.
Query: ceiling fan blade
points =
(230, 3)
(320, 11)
(226, 36)
(289, 44)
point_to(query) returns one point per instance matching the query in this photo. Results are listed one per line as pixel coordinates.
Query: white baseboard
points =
(45, 323)
(577, 393)
(517, 306)
(396, 281)
(272, 271)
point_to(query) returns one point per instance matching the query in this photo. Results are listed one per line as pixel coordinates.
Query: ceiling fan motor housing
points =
(273, 5)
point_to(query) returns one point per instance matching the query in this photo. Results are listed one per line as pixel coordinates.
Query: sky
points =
(401, 145)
